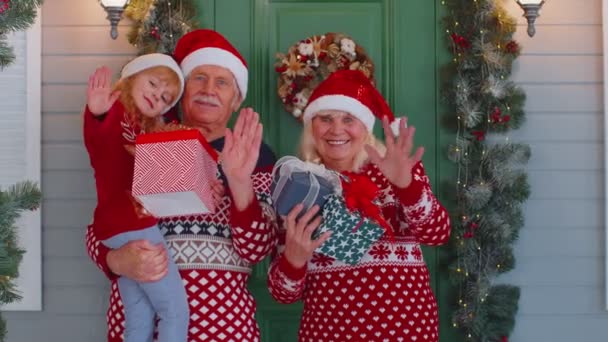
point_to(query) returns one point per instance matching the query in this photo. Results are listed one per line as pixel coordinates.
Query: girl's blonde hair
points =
(308, 151)
(125, 86)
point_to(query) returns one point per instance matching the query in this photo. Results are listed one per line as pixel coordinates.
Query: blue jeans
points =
(166, 297)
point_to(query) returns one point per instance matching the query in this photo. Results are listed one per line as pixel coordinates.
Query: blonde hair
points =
(125, 86)
(308, 151)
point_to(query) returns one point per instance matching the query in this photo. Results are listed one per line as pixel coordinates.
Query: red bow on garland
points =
(359, 194)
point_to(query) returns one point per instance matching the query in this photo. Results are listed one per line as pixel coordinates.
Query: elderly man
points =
(214, 252)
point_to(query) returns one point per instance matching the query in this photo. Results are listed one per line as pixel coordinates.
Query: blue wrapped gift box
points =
(297, 188)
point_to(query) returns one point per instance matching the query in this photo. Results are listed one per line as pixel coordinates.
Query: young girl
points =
(149, 86)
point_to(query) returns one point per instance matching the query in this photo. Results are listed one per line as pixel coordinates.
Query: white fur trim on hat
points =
(395, 126)
(151, 60)
(220, 57)
(342, 103)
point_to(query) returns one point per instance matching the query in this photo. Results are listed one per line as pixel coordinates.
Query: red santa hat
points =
(152, 60)
(208, 47)
(352, 92)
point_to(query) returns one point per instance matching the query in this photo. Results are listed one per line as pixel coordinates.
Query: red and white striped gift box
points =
(173, 173)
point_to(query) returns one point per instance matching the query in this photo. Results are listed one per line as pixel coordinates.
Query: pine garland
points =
(158, 24)
(17, 198)
(492, 184)
(15, 15)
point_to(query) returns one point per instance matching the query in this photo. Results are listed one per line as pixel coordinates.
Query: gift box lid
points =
(297, 189)
(182, 134)
(304, 177)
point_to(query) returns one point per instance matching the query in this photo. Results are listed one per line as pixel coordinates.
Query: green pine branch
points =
(6, 52)
(18, 16)
(159, 24)
(13, 201)
(485, 107)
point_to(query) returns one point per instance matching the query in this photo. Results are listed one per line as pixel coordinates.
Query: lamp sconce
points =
(531, 12)
(114, 9)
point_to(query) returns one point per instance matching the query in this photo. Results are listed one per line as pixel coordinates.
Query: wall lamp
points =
(531, 12)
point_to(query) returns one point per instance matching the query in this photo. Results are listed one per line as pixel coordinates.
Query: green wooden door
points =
(401, 38)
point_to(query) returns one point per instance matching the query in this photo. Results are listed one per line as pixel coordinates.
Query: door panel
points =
(401, 38)
(290, 23)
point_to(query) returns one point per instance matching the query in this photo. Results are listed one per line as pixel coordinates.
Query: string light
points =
(467, 166)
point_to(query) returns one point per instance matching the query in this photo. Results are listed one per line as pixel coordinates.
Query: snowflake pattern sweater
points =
(214, 254)
(387, 296)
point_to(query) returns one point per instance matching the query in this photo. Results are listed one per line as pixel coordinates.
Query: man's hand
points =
(139, 260)
(218, 189)
(100, 97)
(240, 156)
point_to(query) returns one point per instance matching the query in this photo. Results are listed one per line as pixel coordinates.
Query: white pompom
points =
(395, 126)
(297, 112)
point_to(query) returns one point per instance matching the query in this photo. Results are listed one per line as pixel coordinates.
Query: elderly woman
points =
(387, 295)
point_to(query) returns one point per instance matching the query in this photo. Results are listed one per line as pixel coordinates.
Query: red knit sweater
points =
(214, 254)
(105, 139)
(387, 296)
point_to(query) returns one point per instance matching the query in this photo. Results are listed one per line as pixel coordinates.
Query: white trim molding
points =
(605, 62)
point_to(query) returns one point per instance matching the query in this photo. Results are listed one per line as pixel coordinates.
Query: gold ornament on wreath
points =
(312, 60)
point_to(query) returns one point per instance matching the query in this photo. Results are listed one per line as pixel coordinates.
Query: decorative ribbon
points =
(289, 164)
(359, 194)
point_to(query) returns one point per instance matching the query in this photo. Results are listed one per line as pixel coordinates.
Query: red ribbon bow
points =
(359, 194)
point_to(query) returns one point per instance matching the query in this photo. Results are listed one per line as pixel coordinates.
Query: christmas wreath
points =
(310, 61)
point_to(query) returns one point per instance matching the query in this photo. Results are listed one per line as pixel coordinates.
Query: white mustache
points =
(208, 99)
